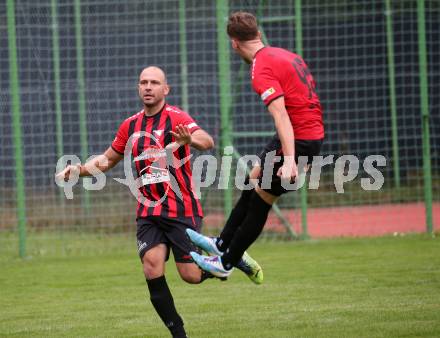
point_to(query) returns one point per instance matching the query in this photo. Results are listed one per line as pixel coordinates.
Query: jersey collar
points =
(155, 115)
(255, 55)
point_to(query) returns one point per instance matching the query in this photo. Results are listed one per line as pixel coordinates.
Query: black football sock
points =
(163, 302)
(235, 219)
(248, 231)
(206, 275)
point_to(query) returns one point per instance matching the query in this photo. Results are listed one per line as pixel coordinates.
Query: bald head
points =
(154, 71)
(153, 88)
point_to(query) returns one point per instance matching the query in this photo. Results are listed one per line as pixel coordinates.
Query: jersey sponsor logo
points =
(156, 169)
(152, 154)
(155, 175)
(253, 68)
(267, 93)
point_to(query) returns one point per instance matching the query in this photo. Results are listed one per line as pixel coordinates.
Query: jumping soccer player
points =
(167, 205)
(287, 88)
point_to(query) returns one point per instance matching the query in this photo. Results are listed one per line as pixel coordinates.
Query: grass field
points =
(383, 287)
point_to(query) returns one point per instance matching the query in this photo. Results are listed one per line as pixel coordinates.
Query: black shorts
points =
(153, 230)
(307, 148)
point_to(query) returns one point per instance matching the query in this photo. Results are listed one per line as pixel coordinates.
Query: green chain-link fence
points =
(68, 78)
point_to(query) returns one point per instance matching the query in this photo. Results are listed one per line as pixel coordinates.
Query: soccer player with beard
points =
(167, 205)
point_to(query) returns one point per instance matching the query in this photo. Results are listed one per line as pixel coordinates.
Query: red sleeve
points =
(121, 138)
(186, 120)
(265, 83)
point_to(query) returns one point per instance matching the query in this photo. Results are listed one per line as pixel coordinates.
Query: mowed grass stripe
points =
(375, 287)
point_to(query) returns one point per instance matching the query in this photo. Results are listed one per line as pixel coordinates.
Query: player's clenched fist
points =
(289, 170)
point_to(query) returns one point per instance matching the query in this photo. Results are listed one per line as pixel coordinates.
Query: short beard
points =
(151, 105)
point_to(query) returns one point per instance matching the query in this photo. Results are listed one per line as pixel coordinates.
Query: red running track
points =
(358, 221)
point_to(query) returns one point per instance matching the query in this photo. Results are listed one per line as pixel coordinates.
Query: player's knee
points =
(151, 272)
(152, 268)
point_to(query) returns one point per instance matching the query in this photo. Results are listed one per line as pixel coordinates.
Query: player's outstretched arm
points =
(284, 129)
(103, 162)
(199, 139)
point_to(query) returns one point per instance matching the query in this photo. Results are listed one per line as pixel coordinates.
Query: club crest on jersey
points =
(267, 93)
(158, 133)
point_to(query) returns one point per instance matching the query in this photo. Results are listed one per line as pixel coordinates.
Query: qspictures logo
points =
(156, 165)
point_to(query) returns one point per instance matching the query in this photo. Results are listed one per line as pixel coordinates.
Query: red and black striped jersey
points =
(168, 190)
